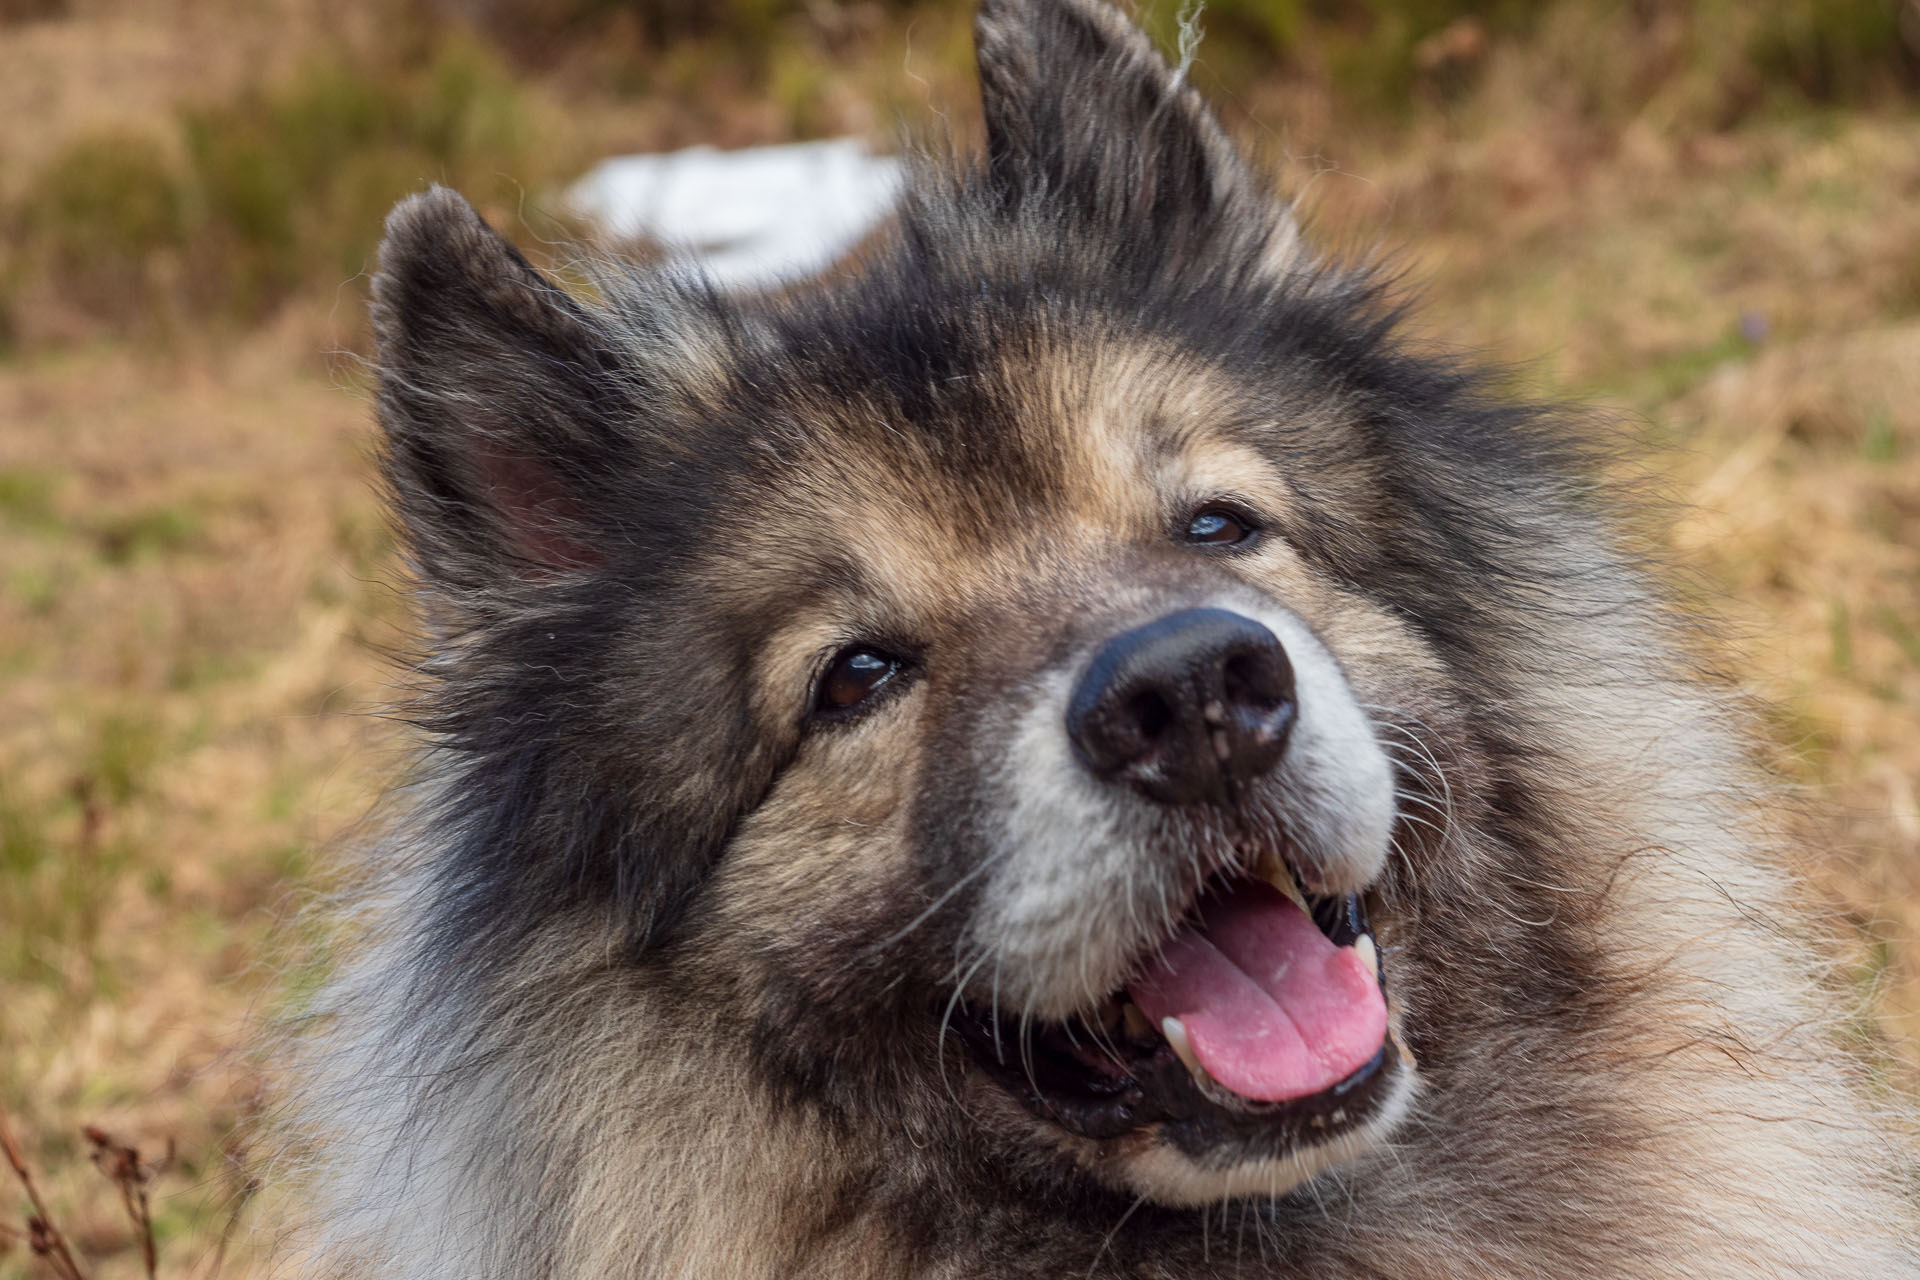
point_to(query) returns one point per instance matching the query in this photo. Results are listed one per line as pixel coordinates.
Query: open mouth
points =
(1259, 1026)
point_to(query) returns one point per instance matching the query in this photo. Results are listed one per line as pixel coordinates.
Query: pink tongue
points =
(1272, 1008)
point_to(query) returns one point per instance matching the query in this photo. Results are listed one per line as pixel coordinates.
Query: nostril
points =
(1150, 715)
(1252, 680)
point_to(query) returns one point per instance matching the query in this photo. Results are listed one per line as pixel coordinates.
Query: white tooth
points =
(1177, 1037)
(1138, 1028)
(1369, 956)
(1280, 876)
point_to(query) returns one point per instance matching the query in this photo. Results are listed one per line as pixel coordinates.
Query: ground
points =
(201, 620)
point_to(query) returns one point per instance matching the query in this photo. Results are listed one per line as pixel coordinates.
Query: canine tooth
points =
(1177, 1037)
(1278, 874)
(1138, 1028)
(1369, 955)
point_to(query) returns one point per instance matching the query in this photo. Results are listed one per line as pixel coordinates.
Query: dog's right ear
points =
(504, 407)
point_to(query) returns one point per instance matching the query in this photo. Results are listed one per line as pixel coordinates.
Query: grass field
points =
(1703, 217)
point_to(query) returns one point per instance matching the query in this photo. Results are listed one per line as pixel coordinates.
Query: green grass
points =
(57, 888)
(282, 187)
(1902, 634)
(27, 499)
(36, 587)
(1845, 51)
(1879, 443)
(291, 186)
(1840, 638)
(125, 748)
(104, 217)
(1659, 381)
(146, 532)
(275, 190)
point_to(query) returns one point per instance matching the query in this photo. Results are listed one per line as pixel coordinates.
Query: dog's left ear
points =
(1085, 117)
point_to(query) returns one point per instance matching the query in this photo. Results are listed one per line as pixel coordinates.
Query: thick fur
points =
(651, 979)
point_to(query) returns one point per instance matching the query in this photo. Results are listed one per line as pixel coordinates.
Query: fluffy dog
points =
(1069, 748)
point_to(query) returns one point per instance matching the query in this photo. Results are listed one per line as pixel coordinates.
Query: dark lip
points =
(1102, 1086)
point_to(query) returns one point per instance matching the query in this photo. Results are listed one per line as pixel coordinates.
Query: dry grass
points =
(193, 561)
(194, 579)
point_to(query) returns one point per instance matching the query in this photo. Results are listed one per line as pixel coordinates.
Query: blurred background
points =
(1703, 215)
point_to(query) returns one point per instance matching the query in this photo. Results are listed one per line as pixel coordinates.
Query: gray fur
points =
(656, 975)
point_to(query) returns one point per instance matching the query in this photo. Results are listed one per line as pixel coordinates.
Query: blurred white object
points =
(752, 218)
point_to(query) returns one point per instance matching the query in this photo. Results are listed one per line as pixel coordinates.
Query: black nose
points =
(1182, 708)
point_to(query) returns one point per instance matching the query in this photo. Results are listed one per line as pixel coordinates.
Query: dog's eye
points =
(1218, 527)
(855, 675)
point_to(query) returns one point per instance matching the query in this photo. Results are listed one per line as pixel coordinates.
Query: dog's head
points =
(1008, 681)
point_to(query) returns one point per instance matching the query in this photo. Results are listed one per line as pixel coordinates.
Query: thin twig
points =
(121, 1164)
(43, 1237)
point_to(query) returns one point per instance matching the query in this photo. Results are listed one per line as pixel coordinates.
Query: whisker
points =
(942, 900)
(940, 1041)
(1106, 1243)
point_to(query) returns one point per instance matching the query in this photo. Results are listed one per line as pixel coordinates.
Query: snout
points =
(1186, 707)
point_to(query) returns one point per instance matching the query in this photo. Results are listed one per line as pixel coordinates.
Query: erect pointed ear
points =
(506, 411)
(1083, 113)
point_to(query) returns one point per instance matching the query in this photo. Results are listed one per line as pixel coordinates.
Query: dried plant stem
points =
(43, 1236)
(121, 1164)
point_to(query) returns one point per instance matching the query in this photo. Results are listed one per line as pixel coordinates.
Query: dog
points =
(1070, 747)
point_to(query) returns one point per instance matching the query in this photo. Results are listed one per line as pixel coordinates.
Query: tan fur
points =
(658, 973)
(1752, 1124)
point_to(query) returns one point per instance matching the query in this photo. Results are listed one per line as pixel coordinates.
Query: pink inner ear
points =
(541, 518)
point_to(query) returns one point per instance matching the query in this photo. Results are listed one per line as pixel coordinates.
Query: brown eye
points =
(854, 676)
(1218, 527)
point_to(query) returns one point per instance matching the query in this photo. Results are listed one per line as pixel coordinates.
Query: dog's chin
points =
(1134, 1103)
(1219, 1151)
(1177, 1179)
(1165, 1172)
